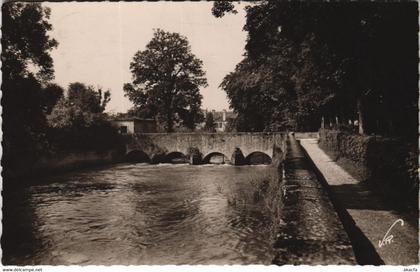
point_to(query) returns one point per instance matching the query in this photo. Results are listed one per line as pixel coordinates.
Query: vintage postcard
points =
(267, 133)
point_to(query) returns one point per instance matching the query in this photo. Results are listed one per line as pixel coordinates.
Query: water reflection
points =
(139, 214)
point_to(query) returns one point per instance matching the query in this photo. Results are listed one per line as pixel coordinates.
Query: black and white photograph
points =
(268, 133)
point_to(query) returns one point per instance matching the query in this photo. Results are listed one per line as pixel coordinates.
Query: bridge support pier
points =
(237, 157)
(195, 156)
(195, 159)
(278, 156)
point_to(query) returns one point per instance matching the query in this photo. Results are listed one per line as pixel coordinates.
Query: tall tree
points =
(25, 41)
(166, 80)
(26, 67)
(345, 60)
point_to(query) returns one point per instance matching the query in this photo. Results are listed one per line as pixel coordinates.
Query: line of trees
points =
(38, 116)
(340, 61)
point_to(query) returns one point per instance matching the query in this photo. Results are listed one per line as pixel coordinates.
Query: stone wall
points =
(389, 166)
(310, 231)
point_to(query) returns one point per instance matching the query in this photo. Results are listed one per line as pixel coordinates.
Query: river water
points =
(141, 214)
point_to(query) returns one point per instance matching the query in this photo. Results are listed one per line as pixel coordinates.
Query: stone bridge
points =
(237, 148)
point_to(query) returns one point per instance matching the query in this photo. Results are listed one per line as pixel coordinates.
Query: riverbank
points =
(58, 163)
(310, 231)
(366, 217)
(62, 162)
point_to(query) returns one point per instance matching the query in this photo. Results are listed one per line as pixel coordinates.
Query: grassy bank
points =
(264, 193)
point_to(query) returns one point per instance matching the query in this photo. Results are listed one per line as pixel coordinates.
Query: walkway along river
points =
(145, 214)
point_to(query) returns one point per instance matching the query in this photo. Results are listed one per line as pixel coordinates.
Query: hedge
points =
(389, 166)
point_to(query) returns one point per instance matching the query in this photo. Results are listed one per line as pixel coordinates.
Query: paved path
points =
(311, 231)
(366, 218)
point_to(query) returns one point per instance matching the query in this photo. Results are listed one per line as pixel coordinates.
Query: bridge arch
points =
(258, 157)
(176, 157)
(216, 158)
(137, 156)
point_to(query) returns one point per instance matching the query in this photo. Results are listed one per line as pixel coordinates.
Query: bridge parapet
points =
(160, 144)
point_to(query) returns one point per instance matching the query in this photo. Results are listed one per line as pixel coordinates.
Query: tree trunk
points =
(360, 113)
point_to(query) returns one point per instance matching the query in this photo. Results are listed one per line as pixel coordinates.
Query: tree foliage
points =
(82, 107)
(210, 125)
(25, 41)
(166, 81)
(88, 98)
(28, 96)
(78, 122)
(26, 68)
(338, 60)
(220, 8)
(51, 94)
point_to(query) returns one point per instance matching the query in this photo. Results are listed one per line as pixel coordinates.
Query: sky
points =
(97, 42)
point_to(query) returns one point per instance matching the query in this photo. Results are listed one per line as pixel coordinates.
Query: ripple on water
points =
(143, 214)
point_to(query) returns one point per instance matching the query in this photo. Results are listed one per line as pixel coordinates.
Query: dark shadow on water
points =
(176, 158)
(256, 158)
(137, 156)
(18, 239)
